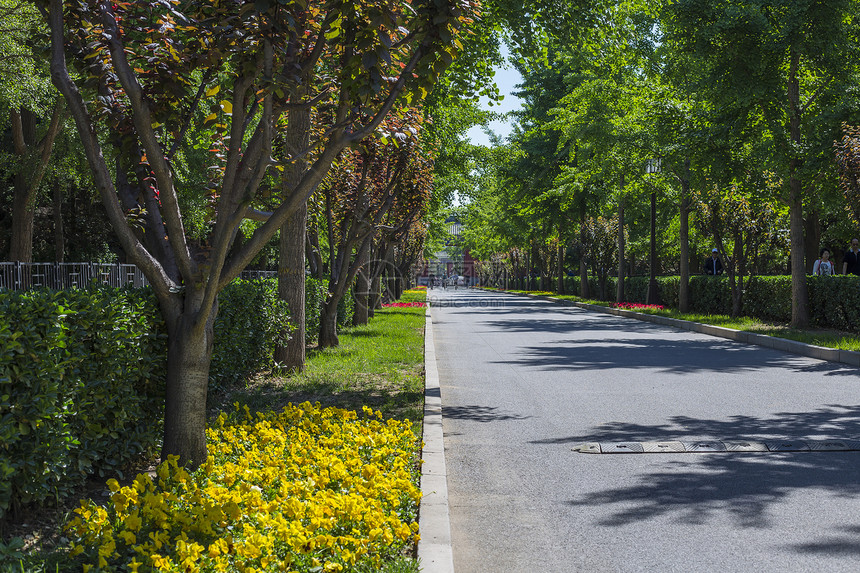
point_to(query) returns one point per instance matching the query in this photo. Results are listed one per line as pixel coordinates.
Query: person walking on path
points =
(851, 260)
(823, 266)
(713, 266)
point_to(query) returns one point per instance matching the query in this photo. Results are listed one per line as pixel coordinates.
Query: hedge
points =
(82, 377)
(315, 292)
(834, 302)
(81, 374)
(251, 322)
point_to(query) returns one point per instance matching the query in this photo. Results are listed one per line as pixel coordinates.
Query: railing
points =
(25, 276)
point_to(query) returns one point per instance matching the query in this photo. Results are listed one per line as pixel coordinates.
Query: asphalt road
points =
(523, 381)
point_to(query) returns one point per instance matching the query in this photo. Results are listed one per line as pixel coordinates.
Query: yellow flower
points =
(129, 537)
(296, 477)
(133, 521)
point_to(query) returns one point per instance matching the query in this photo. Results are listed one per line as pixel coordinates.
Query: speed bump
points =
(717, 446)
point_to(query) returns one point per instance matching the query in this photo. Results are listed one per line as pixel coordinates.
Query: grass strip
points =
(380, 365)
(816, 336)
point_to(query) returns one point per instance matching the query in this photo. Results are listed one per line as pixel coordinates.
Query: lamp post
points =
(653, 166)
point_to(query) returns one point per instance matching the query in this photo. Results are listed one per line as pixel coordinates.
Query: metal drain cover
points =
(661, 447)
(788, 446)
(622, 448)
(745, 446)
(833, 445)
(705, 446)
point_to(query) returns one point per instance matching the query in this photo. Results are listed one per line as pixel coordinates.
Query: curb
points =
(849, 357)
(434, 547)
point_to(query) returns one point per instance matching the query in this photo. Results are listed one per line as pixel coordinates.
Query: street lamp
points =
(653, 166)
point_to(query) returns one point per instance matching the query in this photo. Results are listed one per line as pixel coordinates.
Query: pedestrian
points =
(713, 266)
(823, 266)
(851, 260)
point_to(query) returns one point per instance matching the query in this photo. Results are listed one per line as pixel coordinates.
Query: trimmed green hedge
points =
(251, 322)
(834, 301)
(315, 291)
(82, 378)
(346, 308)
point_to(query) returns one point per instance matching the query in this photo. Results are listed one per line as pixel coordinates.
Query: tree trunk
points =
(314, 254)
(392, 274)
(59, 239)
(619, 293)
(362, 292)
(328, 324)
(24, 198)
(737, 277)
(560, 268)
(684, 237)
(811, 239)
(291, 288)
(189, 354)
(23, 211)
(291, 258)
(29, 176)
(374, 298)
(583, 278)
(799, 291)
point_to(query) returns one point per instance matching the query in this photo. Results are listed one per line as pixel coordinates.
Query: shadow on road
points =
(695, 487)
(667, 355)
(843, 542)
(477, 413)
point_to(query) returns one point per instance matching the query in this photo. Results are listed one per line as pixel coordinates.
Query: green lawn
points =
(380, 365)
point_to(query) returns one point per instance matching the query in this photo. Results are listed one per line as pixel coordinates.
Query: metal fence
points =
(24, 276)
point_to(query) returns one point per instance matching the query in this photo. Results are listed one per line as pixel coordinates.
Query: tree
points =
(774, 60)
(26, 90)
(155, 73)
(376, 191)
(848, 161)
(739, 222)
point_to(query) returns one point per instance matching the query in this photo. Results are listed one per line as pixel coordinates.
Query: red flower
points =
(637, 306)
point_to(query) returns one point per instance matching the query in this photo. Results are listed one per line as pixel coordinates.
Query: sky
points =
(506, 79)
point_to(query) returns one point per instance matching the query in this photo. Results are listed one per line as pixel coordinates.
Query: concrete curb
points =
(849, 357)
(434, 548)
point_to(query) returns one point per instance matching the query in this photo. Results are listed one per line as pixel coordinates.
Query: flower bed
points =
(403, 304)
(637, 306)
(307, 489)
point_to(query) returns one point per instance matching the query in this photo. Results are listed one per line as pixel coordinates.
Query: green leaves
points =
(82, 378)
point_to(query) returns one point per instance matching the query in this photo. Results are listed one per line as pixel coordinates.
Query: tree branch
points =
(161, 283)
(142, 117)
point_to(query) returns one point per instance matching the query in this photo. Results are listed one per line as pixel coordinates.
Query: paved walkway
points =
(523, 381)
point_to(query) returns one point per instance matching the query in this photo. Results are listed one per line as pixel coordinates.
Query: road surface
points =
(523, 381)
